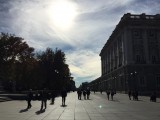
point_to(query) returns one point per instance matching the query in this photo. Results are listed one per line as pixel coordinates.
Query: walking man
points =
(129, 94)
(79, 92)
(52, 97)
(108, 93)
(88, 93)
(29, 98)
(43, 99)
(84, 94)
(101, 91)
(64, 95)
(112, 94)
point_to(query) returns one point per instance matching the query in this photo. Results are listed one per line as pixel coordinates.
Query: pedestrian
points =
(52, 97)
(88, 93)
(108, 93)
(112, 94)
(136, 95)
(84, 94)
(101, 91)
(29, 98)
(153, 97)
(79, 92)
(44, 96)
(129, 94)
(64, 95)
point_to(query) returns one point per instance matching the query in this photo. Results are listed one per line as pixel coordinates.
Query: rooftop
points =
(130, 18)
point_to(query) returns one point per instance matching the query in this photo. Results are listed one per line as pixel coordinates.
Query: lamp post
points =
(114, 83)
(134, 80)
(57, 81)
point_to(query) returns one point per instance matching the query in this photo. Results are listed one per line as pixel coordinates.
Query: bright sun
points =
(62, 14)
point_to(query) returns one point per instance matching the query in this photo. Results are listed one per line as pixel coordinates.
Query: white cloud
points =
(84, 63)
(98, 5)
(82, 43)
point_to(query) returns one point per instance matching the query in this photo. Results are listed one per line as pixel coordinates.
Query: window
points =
(137, 34)
(153, 59)
(152, 33)
(137, 17)
(138, 59)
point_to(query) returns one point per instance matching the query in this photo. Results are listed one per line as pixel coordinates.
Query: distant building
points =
(130, 60)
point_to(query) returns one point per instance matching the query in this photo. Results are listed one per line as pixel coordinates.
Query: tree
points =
(19, 65)
(13, 51)
(62, 68)
(46, 63)
(55, 71)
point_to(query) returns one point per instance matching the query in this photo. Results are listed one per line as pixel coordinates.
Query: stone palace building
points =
(130, 59)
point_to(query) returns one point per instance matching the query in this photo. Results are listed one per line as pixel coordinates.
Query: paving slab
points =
(96, 108)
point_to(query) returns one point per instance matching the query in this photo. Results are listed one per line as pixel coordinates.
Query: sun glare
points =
(62, 14)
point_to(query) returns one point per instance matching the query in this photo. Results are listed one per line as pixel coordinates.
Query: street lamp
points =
(134, 79)
(56, 71)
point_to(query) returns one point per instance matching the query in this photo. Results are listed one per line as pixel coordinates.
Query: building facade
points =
(130, 59)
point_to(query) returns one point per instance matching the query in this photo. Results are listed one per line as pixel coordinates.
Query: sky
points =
(80, 28)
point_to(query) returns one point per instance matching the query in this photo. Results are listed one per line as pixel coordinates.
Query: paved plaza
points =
(97, 108)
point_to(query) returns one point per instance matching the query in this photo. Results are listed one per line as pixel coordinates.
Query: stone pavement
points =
(97, 108)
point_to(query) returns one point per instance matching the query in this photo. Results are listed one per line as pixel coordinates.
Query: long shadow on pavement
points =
(23, 110)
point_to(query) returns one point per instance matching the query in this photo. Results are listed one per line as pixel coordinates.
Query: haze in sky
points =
(80, 28)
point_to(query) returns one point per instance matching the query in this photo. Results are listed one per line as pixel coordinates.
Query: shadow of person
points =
(23, 110)
(63, 105)
(40, 111)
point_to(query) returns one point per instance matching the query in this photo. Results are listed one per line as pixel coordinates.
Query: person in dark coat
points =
(53, 95)
(84, 94)
(44, 96)
(108, 93)
(64, 95)
(29, 98)
(112, 94)
(88, 93)
(153, 97)
(79, 92)
(136, 95)
(129, 94)
(101, 91)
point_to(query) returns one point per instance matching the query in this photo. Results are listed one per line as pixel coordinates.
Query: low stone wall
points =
(14, 96)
